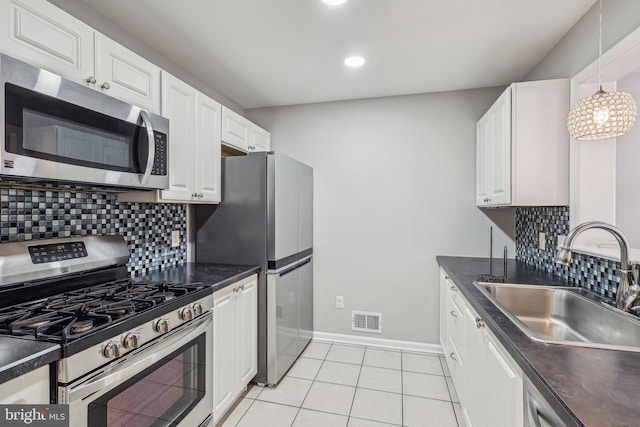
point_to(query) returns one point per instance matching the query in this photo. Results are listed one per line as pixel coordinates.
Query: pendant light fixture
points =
(604, 114)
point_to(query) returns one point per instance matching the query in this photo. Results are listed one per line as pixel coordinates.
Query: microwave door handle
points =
(151, 157)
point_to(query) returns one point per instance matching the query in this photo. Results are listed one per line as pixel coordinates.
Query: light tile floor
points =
(353, 386)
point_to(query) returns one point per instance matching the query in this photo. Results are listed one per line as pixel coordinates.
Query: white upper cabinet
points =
(39, 33)
(207, 149)
(522, 147)
(194, 143)
(240, 133)
(179, 106)
(260, 139)
(43, 35)
(125, 75)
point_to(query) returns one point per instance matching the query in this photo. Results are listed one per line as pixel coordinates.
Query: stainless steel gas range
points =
(133, 353)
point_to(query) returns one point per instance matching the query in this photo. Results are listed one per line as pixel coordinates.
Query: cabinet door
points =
(236, 130)
(500, 151)
(40, 34)
(178, 105)
(444, 289)
(225, 378)
(482, 160)
(247, 331)
(125, 75)
(503, 388)
(207, 149)
(29, 388)
(260, 139)
(474, 378)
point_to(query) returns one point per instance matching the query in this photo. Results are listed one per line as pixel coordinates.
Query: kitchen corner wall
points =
(597, 274)
(34, 214)
(394, 186)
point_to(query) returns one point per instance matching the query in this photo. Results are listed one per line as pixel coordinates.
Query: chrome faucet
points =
(628, 292)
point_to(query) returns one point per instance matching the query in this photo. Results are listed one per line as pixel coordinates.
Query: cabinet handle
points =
(453, 313)
(200, 195)
(105, 86)
(453, 356)
(235, 289)
(479, 323)
(454, 289)
(91, 80)
(194, 195)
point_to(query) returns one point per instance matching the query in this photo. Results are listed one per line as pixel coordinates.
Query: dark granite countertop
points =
(21, 355)
(217, 276)
(586, 386)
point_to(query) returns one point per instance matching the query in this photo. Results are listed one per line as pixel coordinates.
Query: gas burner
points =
(163, 296)
(35, 324)
(81, 326)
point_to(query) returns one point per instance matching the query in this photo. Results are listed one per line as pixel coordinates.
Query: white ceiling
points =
(282, 52)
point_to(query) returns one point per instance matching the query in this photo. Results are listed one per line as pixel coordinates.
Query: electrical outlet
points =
(542, 241)
(175, 238)
(339, 302)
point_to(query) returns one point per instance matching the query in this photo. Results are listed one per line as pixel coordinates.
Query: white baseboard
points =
(378, 342)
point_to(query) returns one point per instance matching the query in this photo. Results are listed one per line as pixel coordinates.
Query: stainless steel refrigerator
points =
(266, 218)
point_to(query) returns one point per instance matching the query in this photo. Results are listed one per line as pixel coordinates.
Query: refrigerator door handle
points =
(286, 270)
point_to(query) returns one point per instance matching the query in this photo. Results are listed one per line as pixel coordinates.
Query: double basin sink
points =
(565, 315)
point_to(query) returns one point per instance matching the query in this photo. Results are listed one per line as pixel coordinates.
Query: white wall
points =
(627, 177)
(394, 187)
(579, 47)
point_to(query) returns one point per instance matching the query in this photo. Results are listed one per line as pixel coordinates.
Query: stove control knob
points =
(131, 340)
(197, 308)
(161, 326)
(111, 350)
(186, 313)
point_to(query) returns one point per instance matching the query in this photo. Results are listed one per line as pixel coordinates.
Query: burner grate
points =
(78, 313)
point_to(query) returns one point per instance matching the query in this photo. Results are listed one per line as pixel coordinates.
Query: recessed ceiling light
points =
(334, 2)
(354, 61)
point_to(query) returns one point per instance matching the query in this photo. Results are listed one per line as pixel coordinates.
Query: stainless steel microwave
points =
(55, 130)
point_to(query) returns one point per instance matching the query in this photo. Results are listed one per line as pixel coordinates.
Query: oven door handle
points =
(151, 156)
(142, 360)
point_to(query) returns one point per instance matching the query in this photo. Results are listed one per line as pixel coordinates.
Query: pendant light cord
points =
(600, 51)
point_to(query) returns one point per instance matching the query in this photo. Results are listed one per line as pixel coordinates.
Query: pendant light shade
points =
(601, 116)
(604, 114)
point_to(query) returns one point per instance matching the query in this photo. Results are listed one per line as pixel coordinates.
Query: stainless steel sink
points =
(569, 316)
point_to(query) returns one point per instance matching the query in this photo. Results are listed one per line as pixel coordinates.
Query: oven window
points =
(159, 396)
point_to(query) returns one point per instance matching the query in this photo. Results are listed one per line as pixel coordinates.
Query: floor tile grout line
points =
(245, 412)
(402, 389)
(355, 390)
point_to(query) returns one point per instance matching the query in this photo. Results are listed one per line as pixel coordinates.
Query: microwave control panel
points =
(160, 162)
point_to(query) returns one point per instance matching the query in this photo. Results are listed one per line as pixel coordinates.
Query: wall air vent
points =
(366, 322)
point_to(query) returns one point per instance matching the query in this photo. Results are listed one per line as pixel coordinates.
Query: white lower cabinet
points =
(488, 381)
(29, 388)
(235, 341)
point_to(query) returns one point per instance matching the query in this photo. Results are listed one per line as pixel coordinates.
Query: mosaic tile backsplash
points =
(597, 274)
(33, 215)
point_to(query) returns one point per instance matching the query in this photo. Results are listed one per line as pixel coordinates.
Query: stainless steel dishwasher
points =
(538, 412)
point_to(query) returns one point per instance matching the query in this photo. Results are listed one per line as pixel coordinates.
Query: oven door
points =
(59, 130)
(168, 383)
